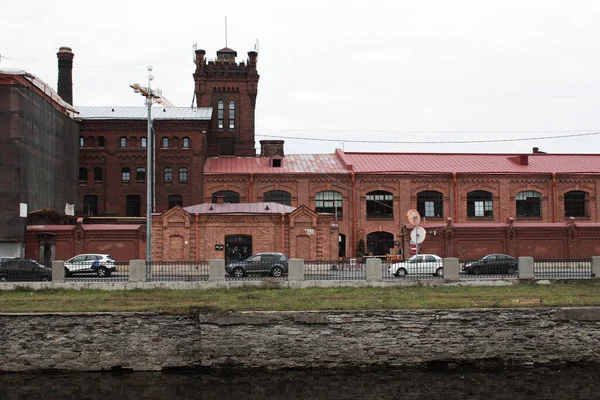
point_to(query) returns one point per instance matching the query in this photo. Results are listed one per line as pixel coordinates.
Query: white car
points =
(419, 264)
(100, 264)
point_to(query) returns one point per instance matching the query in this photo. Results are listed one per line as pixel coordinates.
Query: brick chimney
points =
(65, 74)
(270, 148)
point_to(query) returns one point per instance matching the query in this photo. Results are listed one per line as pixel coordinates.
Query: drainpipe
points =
(554, 199)
(354, 237)
(283, 233)
(196, 258)
(455, 196)
(250, 188)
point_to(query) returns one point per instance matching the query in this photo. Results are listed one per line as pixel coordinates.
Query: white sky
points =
(391, 71)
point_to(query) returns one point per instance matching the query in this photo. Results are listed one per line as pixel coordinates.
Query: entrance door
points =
(237, 247)
(380, 243)
(342, 245)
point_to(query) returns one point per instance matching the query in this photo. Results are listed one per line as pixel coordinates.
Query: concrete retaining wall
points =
(324, 339)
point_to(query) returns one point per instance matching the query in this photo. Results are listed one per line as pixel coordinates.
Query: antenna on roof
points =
(225, 31)
(194, 48)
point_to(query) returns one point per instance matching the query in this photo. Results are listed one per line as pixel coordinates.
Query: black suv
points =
(275, 264)
(24, 270)
(493, 264)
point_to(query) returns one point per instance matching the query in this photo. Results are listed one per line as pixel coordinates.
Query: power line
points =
(430, 142)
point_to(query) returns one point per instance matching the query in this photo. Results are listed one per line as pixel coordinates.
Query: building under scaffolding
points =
(39, 152)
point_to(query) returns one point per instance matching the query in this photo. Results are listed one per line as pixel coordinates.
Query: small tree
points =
(360, 249)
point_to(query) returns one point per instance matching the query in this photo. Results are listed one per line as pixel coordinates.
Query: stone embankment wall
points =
(323, 339)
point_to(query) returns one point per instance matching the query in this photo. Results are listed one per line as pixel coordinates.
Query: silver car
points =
(419, 264)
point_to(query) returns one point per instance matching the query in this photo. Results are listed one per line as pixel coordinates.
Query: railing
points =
(179, 270)
(562, 268)
(334, 270)
(84, 272)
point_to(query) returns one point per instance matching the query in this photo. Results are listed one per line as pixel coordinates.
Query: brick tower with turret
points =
(230, 88)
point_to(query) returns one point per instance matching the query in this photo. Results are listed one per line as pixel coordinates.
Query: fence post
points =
(596, 267)
(526, 268)
(58, 271)
(137, 270)
(451, 269)
(374, 269)
(217, 270)
(296, 269)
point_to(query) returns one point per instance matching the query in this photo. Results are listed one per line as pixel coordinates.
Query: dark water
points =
(535, 383)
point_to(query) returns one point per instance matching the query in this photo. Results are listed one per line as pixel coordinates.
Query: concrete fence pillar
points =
(596, 267)
(374, 269)
(137, 271)
(216, 271)
(451, 269)
(296, 269)
(58, 271)
(526, 268)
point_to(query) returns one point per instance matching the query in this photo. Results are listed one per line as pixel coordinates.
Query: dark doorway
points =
(379, 243)
(237, 247)
(342, 245)
(133, 205)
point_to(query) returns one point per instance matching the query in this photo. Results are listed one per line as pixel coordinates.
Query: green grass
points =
(558, 294)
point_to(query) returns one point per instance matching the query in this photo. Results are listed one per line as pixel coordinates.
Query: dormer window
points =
(276, 162)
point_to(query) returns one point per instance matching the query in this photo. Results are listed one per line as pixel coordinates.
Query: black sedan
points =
(22, 269)
(492, 264)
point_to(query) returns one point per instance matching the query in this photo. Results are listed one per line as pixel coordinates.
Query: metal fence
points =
(179, 270)
(409, 270)
(562, 268)
(334, 270)
(84, 272)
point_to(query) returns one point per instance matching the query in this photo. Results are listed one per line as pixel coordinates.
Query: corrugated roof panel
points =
(292, 163)
(141, 113)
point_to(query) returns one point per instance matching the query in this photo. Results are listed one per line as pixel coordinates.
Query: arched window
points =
(577, 204)
(380, 204)
(529, 204)
(164, 142)
(329, 201)
(380, 243)
(226, 196)
(186, 143)
(231, 114)
(430, 203)
(81, 141)
(83, 174)
(479, 204)
(100, 141)
(278, 196)
(175, 200)
(125, 174)
(140, 174)
(98, 174)
(123, 142)
(220, 113)
(143, 143)
(183, 174)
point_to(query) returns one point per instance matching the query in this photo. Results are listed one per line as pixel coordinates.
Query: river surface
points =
(572, 383)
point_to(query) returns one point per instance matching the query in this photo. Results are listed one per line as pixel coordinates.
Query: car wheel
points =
(400, 272)
(3, 279)
(277, 271)
(67, 272)
(439, 272)
(238, 272)
(102, 272)
(476, 270)
(46, 278)
(510, 270)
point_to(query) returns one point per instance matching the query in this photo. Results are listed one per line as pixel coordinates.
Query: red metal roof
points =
(239, 208)
(471, 163)
(290, 164)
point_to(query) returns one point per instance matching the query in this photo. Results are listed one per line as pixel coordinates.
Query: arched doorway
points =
(380, 243)
(237, 247)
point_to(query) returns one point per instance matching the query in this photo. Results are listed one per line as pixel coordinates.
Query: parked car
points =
(275, 264)
(419, 264)
(23, 269)
(492, 264)
(101, 264)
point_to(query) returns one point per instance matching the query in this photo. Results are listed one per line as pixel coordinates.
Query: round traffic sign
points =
(414, 218)
(414, 248)
(417, 235)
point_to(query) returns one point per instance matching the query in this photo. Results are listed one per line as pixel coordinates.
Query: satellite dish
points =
(414, 218)
(417, 235)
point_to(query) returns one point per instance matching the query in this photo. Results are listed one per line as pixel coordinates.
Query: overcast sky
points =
(412, 75)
